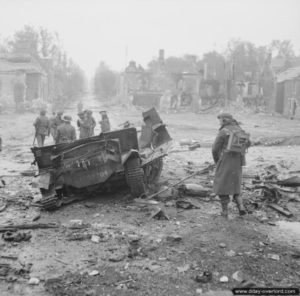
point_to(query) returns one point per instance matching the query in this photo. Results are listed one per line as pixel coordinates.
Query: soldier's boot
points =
(240, 206)
(224, 199)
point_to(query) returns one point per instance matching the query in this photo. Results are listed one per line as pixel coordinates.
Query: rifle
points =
(34, 140)
(201, 172)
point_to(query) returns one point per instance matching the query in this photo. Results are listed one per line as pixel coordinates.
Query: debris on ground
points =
(94, 272)
(11, 257)
(14, 227)
(159, 214)
(247, 284)
(153, 266)
(238, 276)
(74, 236)
(36, 217)
(204, 278)
(33, 281)
(187, 203)
(274, 257)
(3, 207)
(230, 253)
(280, 210)
(194, 190)
(2, 183)
(224, 279)
(174, 238)
(117, 257)
(4, 269)
(134, 247)
(16, 236)
(95, 238)
(184, 268)
(28, 173)
(194, 146)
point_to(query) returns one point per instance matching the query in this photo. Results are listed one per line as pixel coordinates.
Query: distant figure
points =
(66, 133)
(84, 125)
(293, 106)
(83, 133)
(55, 122)
(164, 102)
(79, 107)
(91, 122)
(174, 102)
(42, 128)
(104, 122)
(52, 120)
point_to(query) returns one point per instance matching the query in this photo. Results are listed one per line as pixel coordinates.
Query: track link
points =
(135, 177)
(50, 203)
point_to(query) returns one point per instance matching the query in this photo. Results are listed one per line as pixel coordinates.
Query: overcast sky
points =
(95, 30)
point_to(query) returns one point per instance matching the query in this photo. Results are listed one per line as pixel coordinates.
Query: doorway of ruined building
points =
(33, 82)
(279, 103)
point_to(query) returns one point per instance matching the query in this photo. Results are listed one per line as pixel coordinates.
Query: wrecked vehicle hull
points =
(102, 163)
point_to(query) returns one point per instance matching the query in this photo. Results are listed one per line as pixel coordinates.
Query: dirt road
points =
(172, 252)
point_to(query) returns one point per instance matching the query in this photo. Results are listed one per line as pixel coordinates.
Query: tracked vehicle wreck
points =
(102, 163)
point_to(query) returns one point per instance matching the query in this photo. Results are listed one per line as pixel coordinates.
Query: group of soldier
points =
(61, 129)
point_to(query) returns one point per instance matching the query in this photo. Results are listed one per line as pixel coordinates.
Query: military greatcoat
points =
(66, 133)
(228, 174)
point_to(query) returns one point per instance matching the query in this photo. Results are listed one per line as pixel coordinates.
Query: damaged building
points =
(147, 87)
(287, 100)
(22, 79)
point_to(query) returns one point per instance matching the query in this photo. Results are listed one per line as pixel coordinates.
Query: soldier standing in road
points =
(91, 122)
(229, 162)
(42, 128)
(104, 122)
(66, 133)
(52, 130)
(79, 107)
(84, 125)
(87, 124)
(55, 123)
(80, 124)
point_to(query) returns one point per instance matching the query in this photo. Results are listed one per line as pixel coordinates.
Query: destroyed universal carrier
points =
(86, 167)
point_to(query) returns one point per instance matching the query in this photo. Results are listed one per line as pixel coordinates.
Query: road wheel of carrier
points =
(153, 171)
(135, 177)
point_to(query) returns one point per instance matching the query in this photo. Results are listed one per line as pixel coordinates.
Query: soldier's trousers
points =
(225, 199)
(40, 140)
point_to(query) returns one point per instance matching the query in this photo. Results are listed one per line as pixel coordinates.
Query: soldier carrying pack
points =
(238, 141)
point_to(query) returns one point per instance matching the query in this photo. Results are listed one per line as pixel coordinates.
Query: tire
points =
(134, 175)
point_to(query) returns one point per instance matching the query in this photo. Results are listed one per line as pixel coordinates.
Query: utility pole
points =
(225, 83)
(126, 56)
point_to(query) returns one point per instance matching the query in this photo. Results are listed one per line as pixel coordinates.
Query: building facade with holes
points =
(287, 98)
(22, 80)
